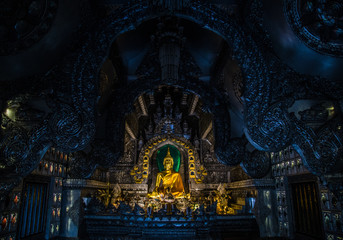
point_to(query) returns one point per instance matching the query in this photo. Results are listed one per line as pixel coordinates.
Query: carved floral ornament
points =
(24, 23)
(141, 171)
(319, 24)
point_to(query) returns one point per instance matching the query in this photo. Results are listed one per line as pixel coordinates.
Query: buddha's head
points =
(168, 161)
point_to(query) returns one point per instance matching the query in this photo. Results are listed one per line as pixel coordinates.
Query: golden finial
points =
(168, 154)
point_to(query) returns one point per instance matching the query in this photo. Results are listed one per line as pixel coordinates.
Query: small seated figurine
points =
(168, 181)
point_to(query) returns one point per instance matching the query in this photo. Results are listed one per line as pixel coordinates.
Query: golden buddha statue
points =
(168, 181)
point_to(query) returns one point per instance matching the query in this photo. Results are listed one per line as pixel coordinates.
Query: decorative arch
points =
(268, 125)
(245, 50)
(142, 169)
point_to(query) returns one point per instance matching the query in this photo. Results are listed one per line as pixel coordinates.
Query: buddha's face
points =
(168, 164)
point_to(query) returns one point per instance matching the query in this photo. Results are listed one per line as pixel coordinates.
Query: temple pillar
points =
(169, 55)
(71, 208)
(258, 197)
(265, 212)
(170, 41)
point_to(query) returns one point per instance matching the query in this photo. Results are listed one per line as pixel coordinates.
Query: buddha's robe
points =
(168, 180)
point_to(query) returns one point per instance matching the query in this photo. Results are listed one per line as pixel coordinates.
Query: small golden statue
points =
(221, 196)
(105, 196)
(168, 182)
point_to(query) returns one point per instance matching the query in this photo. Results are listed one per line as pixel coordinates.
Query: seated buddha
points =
(168, 181)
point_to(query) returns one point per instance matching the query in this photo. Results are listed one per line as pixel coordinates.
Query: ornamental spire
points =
(168, 154)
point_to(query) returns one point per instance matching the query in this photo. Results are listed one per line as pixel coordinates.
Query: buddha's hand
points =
(154, 194)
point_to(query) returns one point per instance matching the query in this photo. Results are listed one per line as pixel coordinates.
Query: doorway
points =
(306, 209)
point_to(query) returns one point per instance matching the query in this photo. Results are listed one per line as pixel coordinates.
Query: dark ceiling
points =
(204, 45)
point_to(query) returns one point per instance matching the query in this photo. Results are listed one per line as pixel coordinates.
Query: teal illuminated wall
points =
(174, 152)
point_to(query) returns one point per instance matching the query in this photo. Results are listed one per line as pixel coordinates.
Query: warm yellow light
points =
(8, 112)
